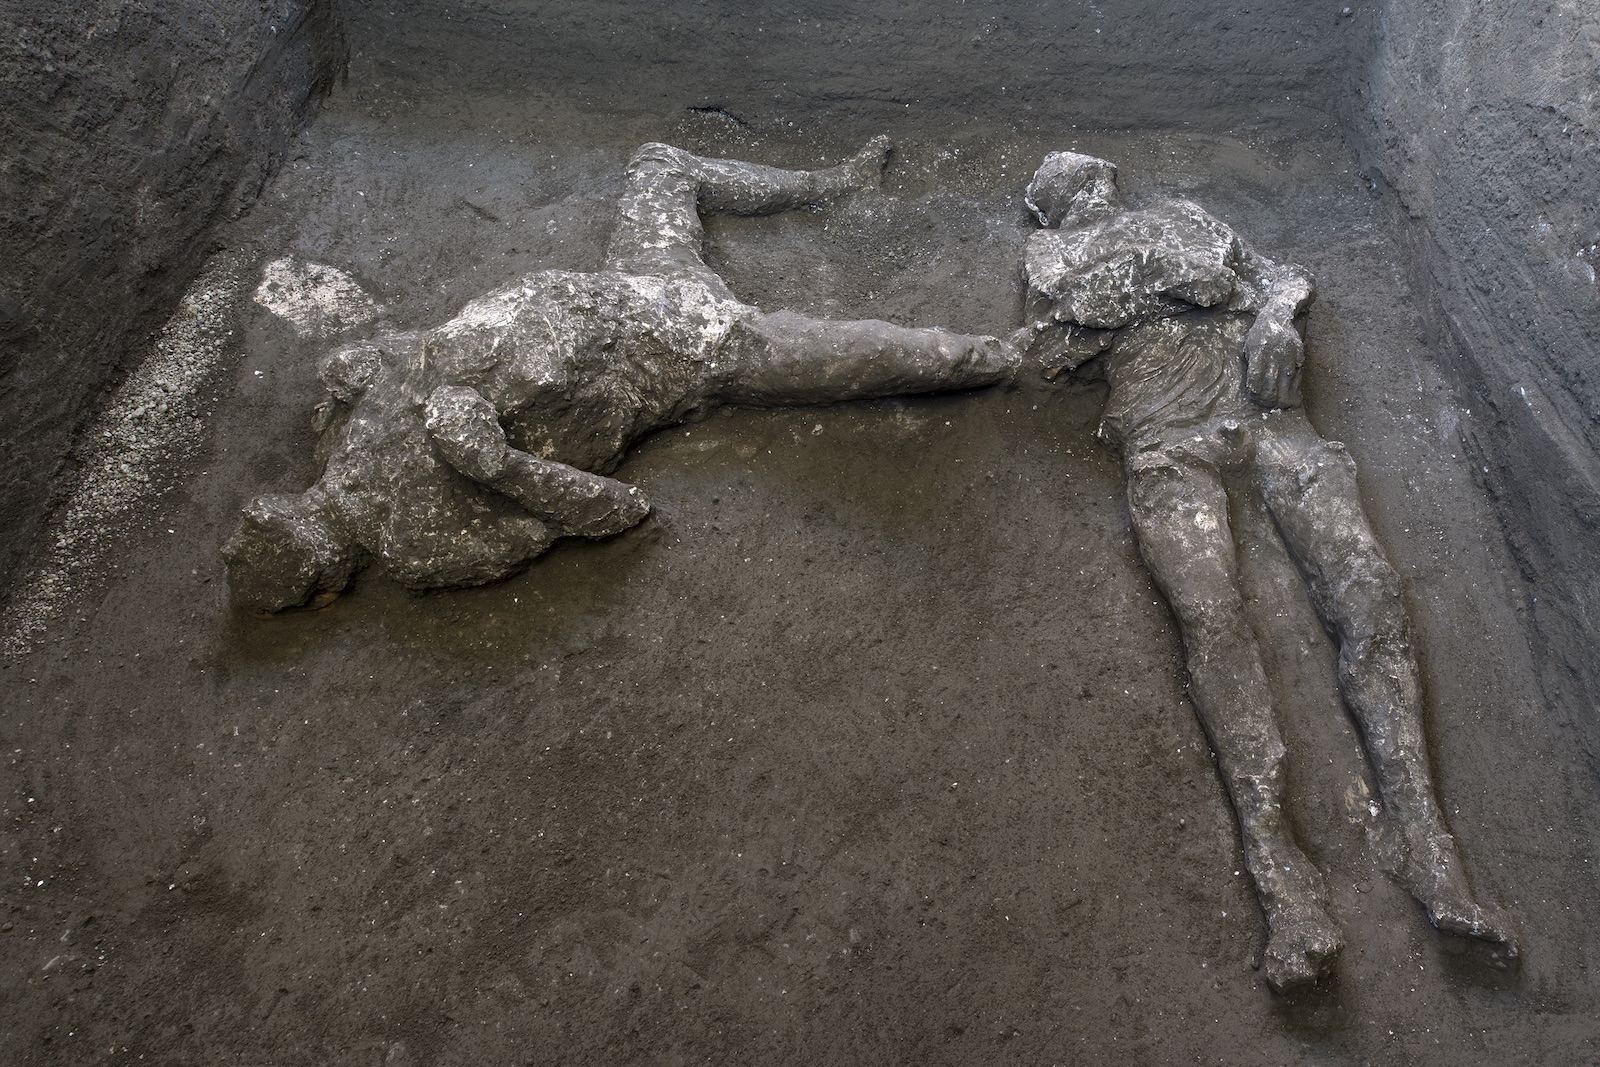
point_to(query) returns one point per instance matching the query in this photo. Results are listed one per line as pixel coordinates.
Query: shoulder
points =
(1176, 222)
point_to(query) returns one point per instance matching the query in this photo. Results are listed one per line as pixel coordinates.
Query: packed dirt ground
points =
(870, 746)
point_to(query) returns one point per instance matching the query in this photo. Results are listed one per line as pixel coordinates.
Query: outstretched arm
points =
(574, 503)
(1273, 349)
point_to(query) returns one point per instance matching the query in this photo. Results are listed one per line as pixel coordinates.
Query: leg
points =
(1180, 513)
(787, 358)
(575, 503)
(658, 219)
(1310, 487)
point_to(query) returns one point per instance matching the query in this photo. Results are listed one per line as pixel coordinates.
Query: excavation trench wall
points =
(1484, 119)
(129, 129)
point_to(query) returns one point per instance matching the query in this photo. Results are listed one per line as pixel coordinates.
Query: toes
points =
(871, 161)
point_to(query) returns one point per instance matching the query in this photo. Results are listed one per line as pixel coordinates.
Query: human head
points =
(1067, 182)
(349, 369)
(283, 553)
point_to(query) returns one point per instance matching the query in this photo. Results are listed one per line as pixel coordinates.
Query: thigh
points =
(658, 228)
(1179, 509)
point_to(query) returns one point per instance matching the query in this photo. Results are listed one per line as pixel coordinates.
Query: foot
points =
(1436, 878)
(1491, 926)
(866, 168)
(1302, 945)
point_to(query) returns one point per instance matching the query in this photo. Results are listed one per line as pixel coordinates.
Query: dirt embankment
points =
(1485, 119)
(129, 129)
(963, 68)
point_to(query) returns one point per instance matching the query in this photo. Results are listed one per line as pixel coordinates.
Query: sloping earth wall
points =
(129, 129)
(1484, 118)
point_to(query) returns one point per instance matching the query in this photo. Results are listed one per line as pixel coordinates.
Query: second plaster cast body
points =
(1198, 337)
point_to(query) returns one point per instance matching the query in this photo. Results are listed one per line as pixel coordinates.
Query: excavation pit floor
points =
(870, 746)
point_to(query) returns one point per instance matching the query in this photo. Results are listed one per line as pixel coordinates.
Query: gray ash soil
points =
(870, 746)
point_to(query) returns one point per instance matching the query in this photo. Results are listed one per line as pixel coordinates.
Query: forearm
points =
(1280, 292)
(574, 502)
(1289, 292)
(466, 430)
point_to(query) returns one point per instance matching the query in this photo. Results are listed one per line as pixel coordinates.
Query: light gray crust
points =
(1200, 340)
(457, 455)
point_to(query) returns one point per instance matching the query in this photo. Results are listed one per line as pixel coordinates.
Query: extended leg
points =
(575, 503)
(1180, 513)
(1310, 488)
(658, 227)
(787, 358)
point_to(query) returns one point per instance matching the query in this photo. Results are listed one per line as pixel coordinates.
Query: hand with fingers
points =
(1273, 354)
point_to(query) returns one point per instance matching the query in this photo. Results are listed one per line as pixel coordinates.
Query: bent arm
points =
(1282, 290)
(466, 429)
(1050, 342)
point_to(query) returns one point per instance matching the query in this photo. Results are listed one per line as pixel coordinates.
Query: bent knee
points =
(657, 155)
(1327, 460)
(1372, 615)
(1255, 767)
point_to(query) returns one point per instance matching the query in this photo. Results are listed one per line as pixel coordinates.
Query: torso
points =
(1174, 373)
(581, 365)
(1164, 277)
(578, 365)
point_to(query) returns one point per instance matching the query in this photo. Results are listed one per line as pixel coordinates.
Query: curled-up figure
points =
(456, 455)
(1200, 340)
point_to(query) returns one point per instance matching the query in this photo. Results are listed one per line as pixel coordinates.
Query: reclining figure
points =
(1199, 338)
(458, 454)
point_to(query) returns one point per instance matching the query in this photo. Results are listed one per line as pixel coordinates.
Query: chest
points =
(1134, 266)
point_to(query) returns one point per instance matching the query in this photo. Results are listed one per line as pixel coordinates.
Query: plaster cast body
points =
(455, 455)
(1199, 339)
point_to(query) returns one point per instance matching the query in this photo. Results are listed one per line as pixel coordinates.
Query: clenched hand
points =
(1273, 352)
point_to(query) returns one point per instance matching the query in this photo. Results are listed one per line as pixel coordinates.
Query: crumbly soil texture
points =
(870, 746)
